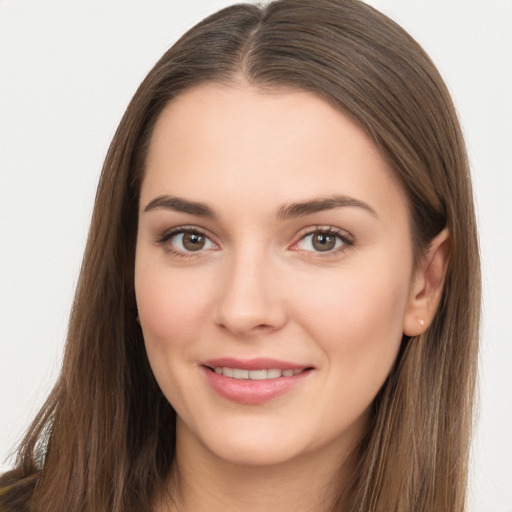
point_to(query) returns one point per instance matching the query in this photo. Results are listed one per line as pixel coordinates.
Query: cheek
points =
(357, 320)
(172, 312)
(171, 304)
(357, 325)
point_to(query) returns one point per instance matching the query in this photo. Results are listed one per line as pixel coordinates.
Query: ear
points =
(427, 285)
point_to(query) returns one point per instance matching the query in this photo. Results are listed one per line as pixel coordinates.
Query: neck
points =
(201, 481)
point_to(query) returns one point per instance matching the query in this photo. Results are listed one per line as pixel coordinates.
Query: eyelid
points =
(166, 235)
(344, 236)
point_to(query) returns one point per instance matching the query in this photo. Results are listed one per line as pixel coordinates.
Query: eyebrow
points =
(287, 211)
(319, 205)
(179, 204)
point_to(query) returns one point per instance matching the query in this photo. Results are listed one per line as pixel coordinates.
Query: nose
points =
(250, 298)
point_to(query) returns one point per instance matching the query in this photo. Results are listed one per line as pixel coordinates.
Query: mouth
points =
(258, 374)
(254, 381)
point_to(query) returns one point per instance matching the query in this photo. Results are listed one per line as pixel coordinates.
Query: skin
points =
(260, 288)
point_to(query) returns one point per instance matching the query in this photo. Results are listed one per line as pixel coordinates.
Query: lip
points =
(257, 363)
(252, 392)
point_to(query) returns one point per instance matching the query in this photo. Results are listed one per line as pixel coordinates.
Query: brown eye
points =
(193, 241)
(323, 241)
(326, 241)
(183, 242)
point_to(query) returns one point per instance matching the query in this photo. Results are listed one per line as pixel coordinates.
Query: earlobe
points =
(427, 286)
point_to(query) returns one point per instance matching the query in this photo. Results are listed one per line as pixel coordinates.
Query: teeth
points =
(263, 374)
(240, 374)
(258, 374)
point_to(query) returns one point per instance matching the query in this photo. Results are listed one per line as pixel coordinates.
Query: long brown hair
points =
(104, 440)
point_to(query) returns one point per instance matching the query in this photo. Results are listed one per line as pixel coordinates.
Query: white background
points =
(67, 72)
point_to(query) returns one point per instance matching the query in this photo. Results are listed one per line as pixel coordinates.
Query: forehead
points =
(214, 141)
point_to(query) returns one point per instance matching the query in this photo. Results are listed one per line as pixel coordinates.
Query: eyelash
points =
(343, 236)
(346, 240)
(169, 234)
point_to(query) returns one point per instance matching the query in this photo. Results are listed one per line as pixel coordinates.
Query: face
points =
(273, 272)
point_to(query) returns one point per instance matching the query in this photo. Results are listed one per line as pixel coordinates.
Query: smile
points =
(263, 374)
(253, 381)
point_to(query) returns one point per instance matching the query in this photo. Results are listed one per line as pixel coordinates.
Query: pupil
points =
(323, 242)
(193, 241)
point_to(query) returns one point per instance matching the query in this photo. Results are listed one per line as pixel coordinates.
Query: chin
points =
(248, 443)
(255, 452)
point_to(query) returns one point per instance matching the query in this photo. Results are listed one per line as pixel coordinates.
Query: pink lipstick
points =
(253, 381)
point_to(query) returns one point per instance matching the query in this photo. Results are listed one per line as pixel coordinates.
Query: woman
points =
(279, 300)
